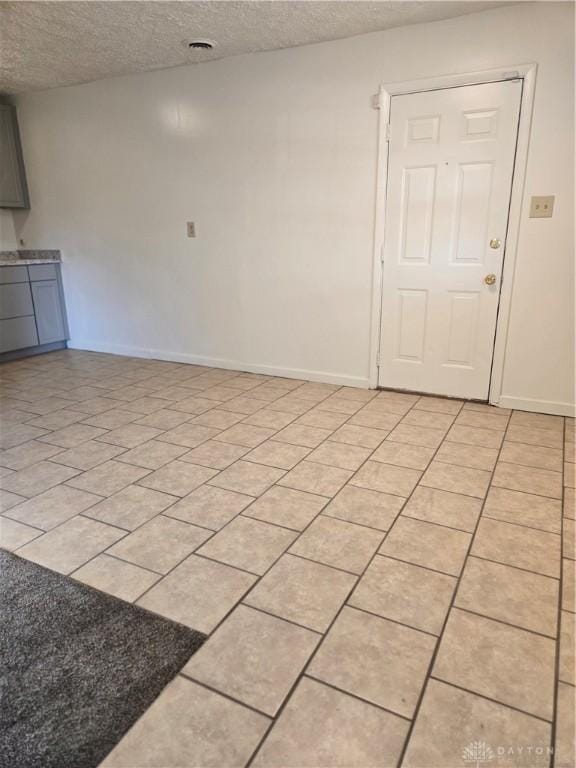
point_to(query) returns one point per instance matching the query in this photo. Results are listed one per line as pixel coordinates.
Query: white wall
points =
(8, 241)
(274, 157)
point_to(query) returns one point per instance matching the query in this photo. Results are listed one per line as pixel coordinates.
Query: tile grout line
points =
(559, 615)
(315, 405)
(446, 618)
(337, 615)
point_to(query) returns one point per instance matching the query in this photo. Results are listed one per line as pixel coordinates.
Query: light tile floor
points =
(385, 579)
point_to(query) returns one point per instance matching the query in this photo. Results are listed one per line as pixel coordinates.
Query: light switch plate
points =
(190, 229)
(541, 207)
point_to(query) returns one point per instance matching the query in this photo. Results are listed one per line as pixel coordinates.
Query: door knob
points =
(490, 279)
(495, 243)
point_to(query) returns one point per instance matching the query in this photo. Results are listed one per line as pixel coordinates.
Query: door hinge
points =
(387, 132)
(378, 359)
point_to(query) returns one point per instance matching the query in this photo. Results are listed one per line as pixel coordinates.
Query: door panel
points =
(451, 159)
(417, 213)
(411, 324)
(49, 314)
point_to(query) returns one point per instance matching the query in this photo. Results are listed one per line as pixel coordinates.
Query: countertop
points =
(22, 258)
(24, 262)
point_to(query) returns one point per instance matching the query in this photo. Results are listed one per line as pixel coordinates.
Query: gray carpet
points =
(78, 667)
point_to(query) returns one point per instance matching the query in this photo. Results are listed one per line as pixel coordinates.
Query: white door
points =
(451, 158)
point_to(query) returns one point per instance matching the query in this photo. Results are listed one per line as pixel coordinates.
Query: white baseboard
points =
(325, 377)
(538, 406)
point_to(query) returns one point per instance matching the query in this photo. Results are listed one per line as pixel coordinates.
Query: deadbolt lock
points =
(495, 243)
(490, 279)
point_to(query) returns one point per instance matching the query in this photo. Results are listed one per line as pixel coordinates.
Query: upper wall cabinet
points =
(13, 188)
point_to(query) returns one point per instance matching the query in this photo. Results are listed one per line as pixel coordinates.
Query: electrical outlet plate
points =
(190, 229)
(541, 207)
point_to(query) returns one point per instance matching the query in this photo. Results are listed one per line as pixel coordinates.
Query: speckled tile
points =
(365, 507)
(299, 434)
(338, 543)
(528, 479)
(177, 478)
(521, 547)
(253, 657)
(387, 478)
(70, 545)
(246, 435)
(432, 546)
(377, 660)
(532, 456)
(463, 480)
(406, 593)
(511, 595)
(248, 544)
(365, 437)
(444, 508)
(298, 590)
(88, 455)
(116, 577)
(26, 454)
(209, 507)
(473, 456)
(14, 535)
(524, 509)
(216, 588)
(108, 478)
(451, 720)
(160, 544)
(506, 664)
(276, 454)
(286, 507)
(248, 478)
(190, 725)
(403, 455)
(131, 507)
(320, 727)
(53, 507)
(36, 479)
(316, 478)
(565, 747)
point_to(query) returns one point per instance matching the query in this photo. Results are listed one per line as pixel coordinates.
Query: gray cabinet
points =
(17, 333)
(49, 311)
(13, 187)
(32, 310)
(15, 300)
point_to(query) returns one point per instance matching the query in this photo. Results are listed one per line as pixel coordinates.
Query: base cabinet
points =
(32, 310)
(17, 333)
(49, 311)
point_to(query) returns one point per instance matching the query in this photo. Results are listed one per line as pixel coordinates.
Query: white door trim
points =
(526, 72)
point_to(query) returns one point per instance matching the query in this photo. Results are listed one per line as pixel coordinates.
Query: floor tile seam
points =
(493, 516)
(490, 516)
(490, 699)
(197, 681)
(504, 623)
(383, 617)
(351, 694)
(328, 628)
(514, 567)
(557, 659)
(447, 616)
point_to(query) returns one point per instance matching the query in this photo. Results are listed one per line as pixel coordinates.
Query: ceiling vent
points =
(201, 45)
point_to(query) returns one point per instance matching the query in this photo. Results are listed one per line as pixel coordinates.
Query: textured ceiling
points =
(47, 44)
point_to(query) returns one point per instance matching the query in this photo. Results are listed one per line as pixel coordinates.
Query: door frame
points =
(382, 102)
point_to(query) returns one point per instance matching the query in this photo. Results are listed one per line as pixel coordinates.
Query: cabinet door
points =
(48, 310)
(13, 189)
(17, 333)
(15, 300)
